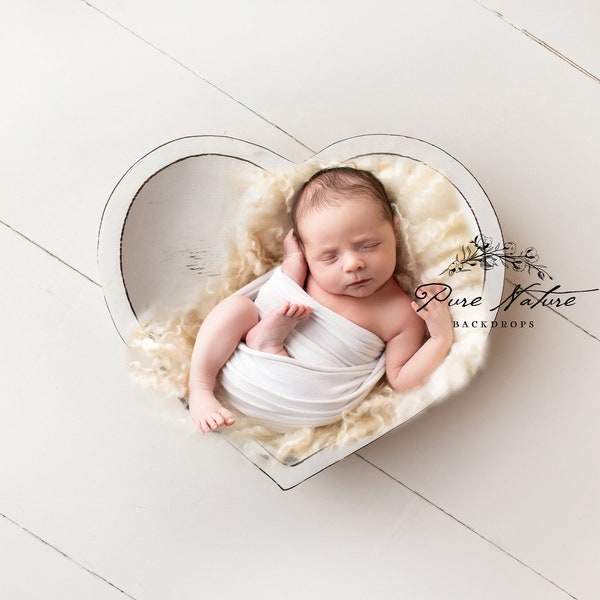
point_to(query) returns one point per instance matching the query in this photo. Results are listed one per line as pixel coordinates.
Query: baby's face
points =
(351, 248)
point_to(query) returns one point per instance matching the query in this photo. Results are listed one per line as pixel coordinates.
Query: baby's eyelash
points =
(369, 246)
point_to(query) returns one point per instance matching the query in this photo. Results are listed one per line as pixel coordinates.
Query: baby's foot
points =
(270, 332)
(208, 413)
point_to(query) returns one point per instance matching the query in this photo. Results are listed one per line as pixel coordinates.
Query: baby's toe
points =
(218, 419)
(303, 312)
(228, 417)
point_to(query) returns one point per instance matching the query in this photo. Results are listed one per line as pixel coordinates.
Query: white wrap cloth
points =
(332, 365)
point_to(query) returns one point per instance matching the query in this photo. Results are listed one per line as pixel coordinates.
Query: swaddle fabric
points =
(332, 365)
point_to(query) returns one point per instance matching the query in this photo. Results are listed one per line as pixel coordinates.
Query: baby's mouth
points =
(359, 283)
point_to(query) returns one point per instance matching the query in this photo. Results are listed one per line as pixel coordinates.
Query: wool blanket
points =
(332, 365)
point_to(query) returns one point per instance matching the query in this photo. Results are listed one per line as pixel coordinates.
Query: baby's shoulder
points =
(398, 315)
(396, 297)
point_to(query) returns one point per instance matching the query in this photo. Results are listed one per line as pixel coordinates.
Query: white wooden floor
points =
(106, 493)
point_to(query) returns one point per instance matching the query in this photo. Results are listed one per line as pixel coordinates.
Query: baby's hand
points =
(436, 315)
(290, 244)
(294, 264)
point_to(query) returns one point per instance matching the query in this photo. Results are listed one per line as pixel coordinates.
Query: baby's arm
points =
(409, 362)
(294, 263)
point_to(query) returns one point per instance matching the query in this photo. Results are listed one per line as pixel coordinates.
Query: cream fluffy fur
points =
(435, 223)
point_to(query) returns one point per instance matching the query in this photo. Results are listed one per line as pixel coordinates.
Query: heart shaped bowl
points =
(166, 231)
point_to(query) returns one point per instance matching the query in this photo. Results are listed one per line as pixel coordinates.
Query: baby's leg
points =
(270, 332)
(223, 329)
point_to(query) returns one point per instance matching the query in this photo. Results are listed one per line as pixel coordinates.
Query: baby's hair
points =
(326, 187)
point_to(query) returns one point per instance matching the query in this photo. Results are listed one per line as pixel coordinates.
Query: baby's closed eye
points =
(370, 246)
(328, 258)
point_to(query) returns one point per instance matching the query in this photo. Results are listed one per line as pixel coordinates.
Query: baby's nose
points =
(353, 263)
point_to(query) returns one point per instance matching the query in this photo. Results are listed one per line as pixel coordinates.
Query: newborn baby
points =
(342, 256)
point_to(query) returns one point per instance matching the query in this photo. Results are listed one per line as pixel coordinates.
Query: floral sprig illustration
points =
(487, 255)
